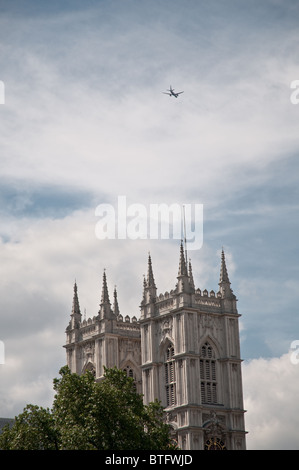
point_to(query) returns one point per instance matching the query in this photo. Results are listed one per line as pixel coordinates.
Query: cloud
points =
(85, 121)
(270, 396)
(40, 260)
(73, 129)
(20, 199)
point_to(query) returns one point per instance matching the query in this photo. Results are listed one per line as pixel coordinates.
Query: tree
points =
(34, 429)
(87, 415)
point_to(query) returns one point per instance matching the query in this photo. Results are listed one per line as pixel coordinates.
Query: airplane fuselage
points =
(171, 93)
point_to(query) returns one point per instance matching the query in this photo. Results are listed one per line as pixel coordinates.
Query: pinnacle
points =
(224, 282)
(105, 305)
(182, 263)
(191, 280)
(150, 275)
(115, 305)
(105, 294)
(76, 306)
(223, 270)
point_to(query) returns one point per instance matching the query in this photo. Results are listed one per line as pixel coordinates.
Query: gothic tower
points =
(184, 351)
(191, 360)
(106, 340)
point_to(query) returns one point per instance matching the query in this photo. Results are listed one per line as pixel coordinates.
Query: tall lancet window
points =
(170, 376)
(130, 373)
(208, 376)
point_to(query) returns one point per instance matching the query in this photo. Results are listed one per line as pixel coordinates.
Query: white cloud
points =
(73, 130)
(84, 111)
(271, 400)
(39, 265)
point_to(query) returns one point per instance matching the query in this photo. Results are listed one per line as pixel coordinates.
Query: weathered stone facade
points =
(184, 350)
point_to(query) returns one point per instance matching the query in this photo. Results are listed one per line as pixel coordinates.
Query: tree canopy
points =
(90, 415)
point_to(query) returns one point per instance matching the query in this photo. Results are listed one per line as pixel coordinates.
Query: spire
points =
(191, 280)
(144, 289)
(223, 270)
(149, 285)
(115, 305)
(76, 313)
(224, 283)
(150, 275)
(105, 294)
(105, 306)
(76, 306)
(182, 263)
(183, 284)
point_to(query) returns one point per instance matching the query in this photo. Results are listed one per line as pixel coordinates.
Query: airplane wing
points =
(165, 93)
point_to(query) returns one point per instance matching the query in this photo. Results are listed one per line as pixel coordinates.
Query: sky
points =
(84, 122)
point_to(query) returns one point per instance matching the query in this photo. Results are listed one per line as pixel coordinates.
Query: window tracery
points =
(208, 375)
(170, 383)
(130, 373)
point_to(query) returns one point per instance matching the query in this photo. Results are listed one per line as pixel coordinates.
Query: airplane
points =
(172, 93)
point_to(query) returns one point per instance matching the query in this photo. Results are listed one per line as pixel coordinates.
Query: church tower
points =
(184, 351)
(106, 340)
(191, 360)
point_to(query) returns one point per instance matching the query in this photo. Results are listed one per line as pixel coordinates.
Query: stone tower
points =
(191, 360)
(104, 340)
(184, 351)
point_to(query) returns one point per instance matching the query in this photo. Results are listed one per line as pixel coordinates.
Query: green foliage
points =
(34, 429)
(87, 415)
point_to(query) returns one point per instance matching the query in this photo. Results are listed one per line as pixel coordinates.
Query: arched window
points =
(208, 376)
(90, 367)
(169, 367)
(130, 373)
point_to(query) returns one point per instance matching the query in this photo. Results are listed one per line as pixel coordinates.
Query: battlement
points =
(127, 319)
(89, 321)
(168, 300)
